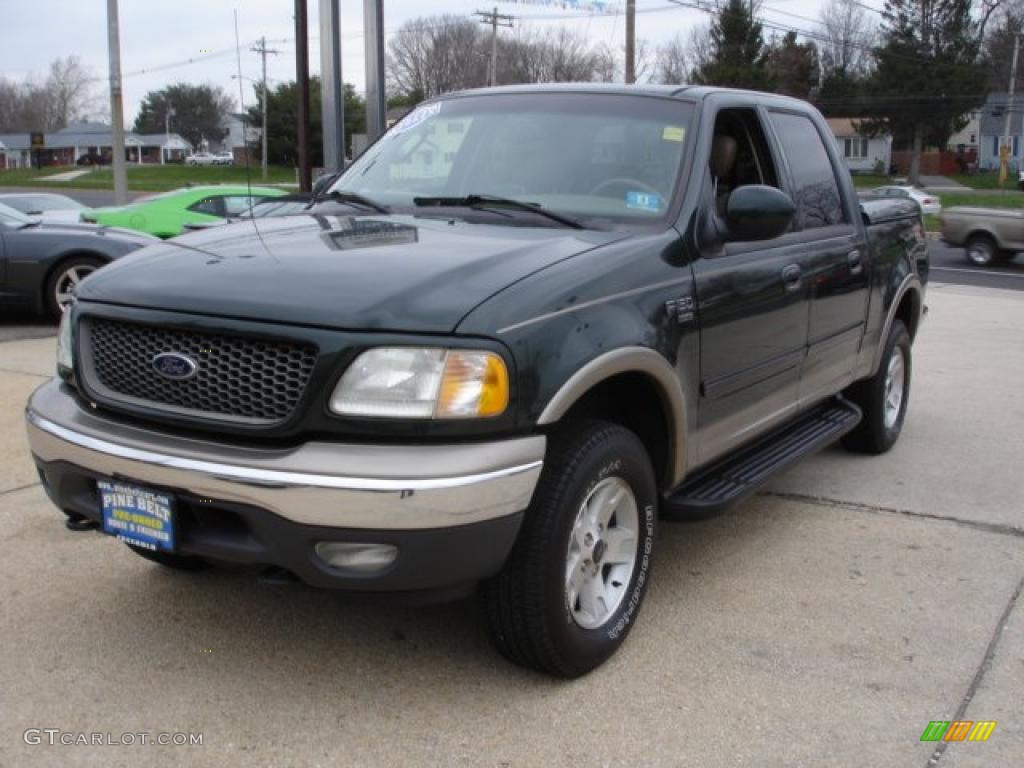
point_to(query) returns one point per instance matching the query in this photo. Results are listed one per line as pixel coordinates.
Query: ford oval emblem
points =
(173, 365)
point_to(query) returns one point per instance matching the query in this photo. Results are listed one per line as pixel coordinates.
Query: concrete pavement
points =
(823, 623)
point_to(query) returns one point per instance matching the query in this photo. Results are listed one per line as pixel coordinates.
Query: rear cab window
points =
(815, 188)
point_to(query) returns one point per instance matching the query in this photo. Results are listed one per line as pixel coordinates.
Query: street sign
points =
(38, 140)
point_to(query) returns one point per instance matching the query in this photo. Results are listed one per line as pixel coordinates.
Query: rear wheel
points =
(65, 277)
(883, 398)
(572, 587)
(981, 251)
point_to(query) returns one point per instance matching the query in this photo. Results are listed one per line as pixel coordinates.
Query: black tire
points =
(528, 602)
(876, 433)
(1005, 257)
(168, 560)
(981, 251)
(55, 284)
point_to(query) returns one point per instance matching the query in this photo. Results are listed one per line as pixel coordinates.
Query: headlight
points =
(65, 351)
(423, 383)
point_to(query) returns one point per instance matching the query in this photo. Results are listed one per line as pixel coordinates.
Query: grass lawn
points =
(985, 180)
(995, 200)
(869, 180)
(148, 178)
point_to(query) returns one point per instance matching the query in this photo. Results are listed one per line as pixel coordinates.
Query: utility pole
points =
(262, 50)
(302, 82)
(496, 20)
(630, 41)
(116, 106)
(1004, 155)
(376, 99)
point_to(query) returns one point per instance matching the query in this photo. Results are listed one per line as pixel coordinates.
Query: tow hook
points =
(79, 523)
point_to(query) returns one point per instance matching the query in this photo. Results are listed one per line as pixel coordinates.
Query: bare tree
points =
(672, 65)
(66, 95)
(849, 33)
(429, 56)
(69, 91)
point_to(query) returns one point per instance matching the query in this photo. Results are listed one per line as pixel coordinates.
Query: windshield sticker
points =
(643, 201)
(673, 133)
(416, 117)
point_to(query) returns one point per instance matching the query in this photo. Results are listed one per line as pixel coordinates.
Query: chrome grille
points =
(238, 378)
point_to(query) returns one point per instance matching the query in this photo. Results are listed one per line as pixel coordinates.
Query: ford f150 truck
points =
(524, 325)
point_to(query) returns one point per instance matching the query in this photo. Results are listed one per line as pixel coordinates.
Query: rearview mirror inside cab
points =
(758, 212)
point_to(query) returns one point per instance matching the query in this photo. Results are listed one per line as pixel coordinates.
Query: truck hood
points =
(400, 273)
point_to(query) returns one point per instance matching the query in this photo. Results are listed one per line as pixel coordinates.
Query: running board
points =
(726, 482)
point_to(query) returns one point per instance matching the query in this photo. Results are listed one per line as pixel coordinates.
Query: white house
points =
(239, 135)
(863, 154)
(992, 131)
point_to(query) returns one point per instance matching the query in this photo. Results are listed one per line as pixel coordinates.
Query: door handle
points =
(855, 261)
(791, 277)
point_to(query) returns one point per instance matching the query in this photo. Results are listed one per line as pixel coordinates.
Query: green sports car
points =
(166, 214)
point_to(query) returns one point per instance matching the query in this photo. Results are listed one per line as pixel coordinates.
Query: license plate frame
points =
(137, 515)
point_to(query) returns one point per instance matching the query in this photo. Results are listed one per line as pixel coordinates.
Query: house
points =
(239, 137)
(966, 139)
(863, 154)
(992, 130)
(66, 146)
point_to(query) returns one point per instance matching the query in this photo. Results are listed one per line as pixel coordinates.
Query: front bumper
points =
(453, 511)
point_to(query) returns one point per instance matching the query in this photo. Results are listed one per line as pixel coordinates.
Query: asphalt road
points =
(948, 265)
(824, 622)
(93, 198)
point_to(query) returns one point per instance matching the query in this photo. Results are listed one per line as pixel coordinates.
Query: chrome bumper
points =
(381, 487)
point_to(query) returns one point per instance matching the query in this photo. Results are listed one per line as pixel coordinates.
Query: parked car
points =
(988, 235)
(225, 158)
(165, 215)
(44, 206)
(93, 158)
(41, 263)
(286, 205)
(201, 158)
(929, 203)
(604, 304)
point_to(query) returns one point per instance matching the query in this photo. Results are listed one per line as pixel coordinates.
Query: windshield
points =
(589, 156)
(12, 218)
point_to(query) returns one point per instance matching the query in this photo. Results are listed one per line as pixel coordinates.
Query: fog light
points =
(356, 556)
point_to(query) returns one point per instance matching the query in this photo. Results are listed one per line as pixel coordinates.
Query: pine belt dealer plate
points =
(137, 515)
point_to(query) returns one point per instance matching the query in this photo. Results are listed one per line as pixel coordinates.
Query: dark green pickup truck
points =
(521, 328)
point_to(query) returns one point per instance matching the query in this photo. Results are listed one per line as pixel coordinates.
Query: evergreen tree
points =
(737, 55)
(794, 66)
(928, 72)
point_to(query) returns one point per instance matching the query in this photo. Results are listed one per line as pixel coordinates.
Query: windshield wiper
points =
(492, 201)
(350, 198)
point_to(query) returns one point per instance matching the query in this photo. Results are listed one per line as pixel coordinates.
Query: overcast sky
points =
(157, 36)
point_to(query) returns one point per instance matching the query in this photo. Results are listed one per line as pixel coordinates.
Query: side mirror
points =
(758, 212)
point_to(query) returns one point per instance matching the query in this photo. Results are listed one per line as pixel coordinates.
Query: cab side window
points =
(815, 190)
(211, 206)
(739, 155)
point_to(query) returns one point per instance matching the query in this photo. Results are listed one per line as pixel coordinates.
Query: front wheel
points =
(883, 398)
(65, 277)
(572, 587)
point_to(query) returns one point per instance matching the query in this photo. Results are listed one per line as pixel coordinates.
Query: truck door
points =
(835, 254)
(752, 299)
